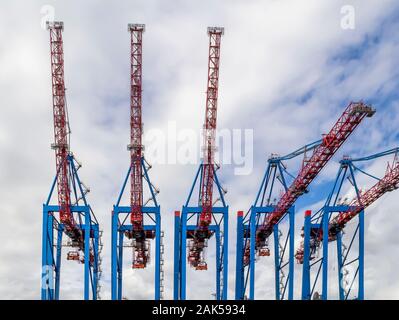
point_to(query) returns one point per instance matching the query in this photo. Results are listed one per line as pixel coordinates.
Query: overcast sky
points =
(288, 70)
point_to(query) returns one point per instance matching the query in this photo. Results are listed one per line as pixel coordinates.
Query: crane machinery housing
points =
(72, 216)
(144, 224)
(202, 219)
(329, 223)
(253, 232)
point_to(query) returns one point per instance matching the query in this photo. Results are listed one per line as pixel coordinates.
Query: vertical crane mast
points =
(61, 144)
(215, 35)
(136, 127)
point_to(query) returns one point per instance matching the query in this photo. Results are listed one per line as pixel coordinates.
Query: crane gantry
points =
(209, 219)
(140, 231)
(76, 218)
(253, 234)
(327, 225)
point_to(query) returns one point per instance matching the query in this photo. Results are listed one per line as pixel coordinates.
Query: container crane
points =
(208, 219)
(145, 217)
(253, 234)
(328, 224)
(276, 175)
(75, 217)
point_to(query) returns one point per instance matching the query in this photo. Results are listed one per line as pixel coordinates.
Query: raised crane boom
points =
(61, 132)
(136, 128)
(346, 124)
(198, 243)
(388, 183)
(141, 251)
(215, 35)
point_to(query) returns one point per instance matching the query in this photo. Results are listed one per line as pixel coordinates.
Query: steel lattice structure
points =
(145, 218)
(253, 237)
(327, 225)
(204, 212)
(76, 219)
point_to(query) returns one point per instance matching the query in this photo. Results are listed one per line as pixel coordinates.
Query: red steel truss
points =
(61, 132)
(141, 254)
(215, 35)
(136, 127)
(198, 243)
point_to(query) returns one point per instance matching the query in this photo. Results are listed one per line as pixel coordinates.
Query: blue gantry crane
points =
(329, 223)
(140, 222)
(201, 218)
(276, 176)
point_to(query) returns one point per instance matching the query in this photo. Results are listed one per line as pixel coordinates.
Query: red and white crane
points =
(195, 256)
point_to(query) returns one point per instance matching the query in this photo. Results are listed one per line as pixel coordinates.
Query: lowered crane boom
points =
(346, 124)
(388, 183)
(328, 224)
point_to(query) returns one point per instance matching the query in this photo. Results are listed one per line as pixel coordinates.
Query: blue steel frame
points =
(122, 224)
(321, 220)
(51, 246)
(246, 232)
(220, 229)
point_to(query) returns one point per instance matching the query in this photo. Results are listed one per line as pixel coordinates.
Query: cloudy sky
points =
(288, 69)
